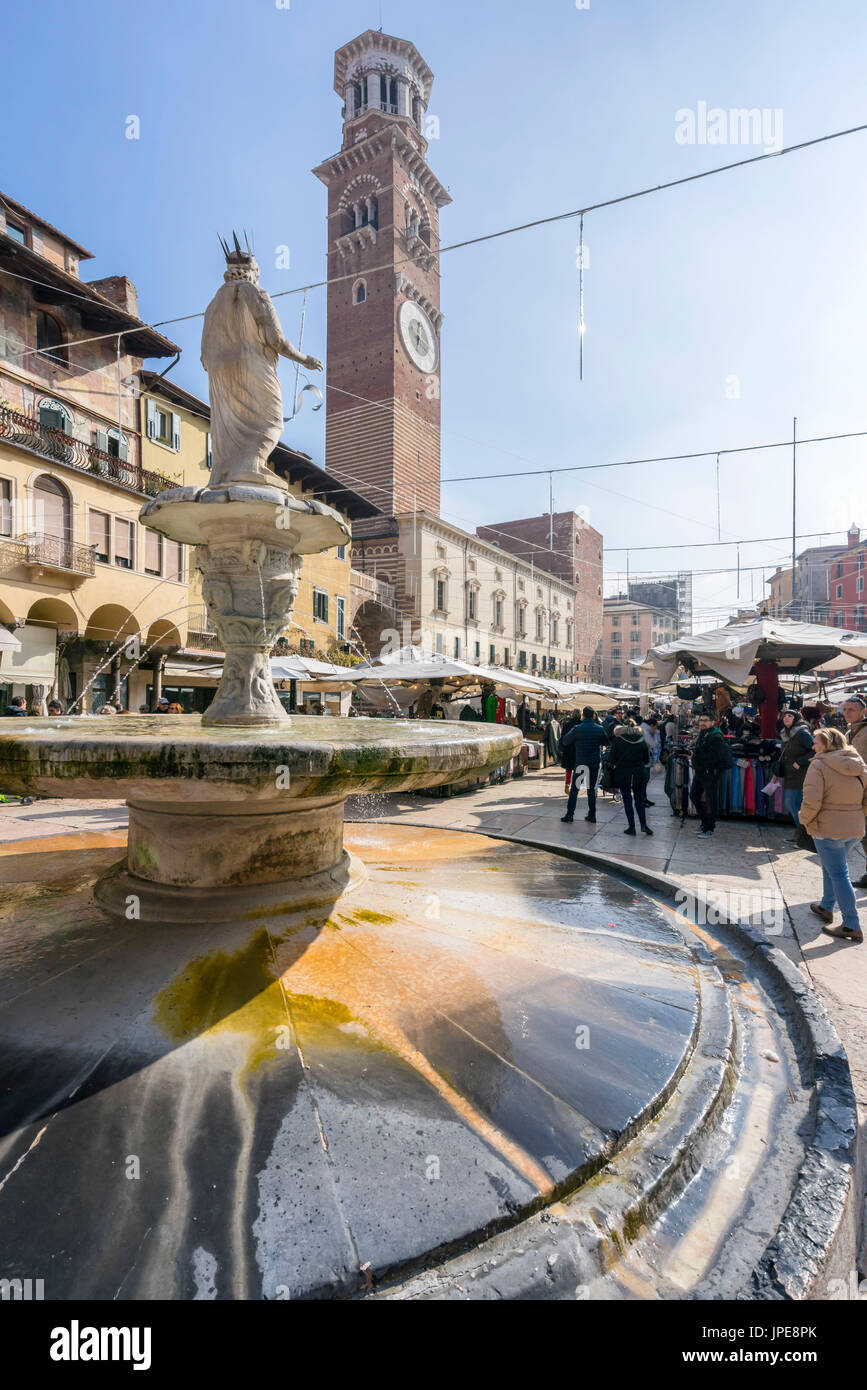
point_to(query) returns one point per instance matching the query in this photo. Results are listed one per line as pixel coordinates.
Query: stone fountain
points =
(242, 809)
(248, 1061)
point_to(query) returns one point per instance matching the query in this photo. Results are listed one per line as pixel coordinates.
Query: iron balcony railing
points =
(56, 552)
(203, 641)
(29, 432)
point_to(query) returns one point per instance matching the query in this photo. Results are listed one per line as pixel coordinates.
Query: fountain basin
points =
(227, 823)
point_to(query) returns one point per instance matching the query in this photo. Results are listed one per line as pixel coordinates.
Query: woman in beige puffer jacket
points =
(833, 812)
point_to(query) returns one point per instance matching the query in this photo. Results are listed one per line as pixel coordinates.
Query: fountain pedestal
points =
(250, 544)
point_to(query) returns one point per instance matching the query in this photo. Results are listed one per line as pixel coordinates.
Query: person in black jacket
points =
(796, 752)
(582, 744)
(709, 759)
(629, 759)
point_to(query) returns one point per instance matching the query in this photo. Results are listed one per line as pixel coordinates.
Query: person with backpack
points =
(711, 757)
(582, 745)
(629, 760)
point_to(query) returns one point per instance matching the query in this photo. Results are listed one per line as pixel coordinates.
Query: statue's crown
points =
(238, 256)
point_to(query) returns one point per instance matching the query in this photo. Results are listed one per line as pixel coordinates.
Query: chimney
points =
(854, 535)
(119, 290)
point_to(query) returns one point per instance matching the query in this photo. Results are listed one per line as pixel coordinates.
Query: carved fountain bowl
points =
(174, 758)
(226, 823)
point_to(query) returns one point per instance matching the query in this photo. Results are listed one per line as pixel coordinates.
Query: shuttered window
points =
(124, 544)
(174, 560)
(98, 538)
(153, 552)
(5, 507)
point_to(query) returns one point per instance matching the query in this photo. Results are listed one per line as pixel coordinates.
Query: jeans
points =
(635, 786)
(704, 794)
(588, 774)
(836, 883)
(792, 802)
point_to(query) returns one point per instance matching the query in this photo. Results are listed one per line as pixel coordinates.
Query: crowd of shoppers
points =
(823, 773)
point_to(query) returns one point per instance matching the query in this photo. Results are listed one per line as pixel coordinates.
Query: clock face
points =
(419, 336)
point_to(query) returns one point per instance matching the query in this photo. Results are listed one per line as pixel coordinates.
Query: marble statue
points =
(241, 342)
(249, 530)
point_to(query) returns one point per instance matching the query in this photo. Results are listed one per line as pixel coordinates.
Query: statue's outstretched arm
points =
(274, 337)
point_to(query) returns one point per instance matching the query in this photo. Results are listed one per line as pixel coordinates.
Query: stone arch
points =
(362, 186)
(162, 636)
(54, 610)
(7, 617)
(370, 625)
(110, 623)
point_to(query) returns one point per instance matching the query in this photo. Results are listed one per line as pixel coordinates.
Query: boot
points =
(844, 934)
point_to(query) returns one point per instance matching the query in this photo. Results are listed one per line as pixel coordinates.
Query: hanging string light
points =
(296, 397)
(581, 298)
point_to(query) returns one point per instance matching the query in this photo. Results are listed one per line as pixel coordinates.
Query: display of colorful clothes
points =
(740, 788)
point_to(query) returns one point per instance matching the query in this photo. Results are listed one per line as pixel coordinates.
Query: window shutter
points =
(123, 449)
(102, 440)
(176, 431)
(151, 418)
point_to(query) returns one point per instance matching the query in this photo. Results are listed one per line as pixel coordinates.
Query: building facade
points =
(566, 545)
(776, 605)
(77, 583)
(472, 601)
(672, 593)
(811, 597)
(630, 629)
(847, 584)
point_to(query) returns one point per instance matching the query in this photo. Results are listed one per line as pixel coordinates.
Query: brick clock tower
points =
(384, 320)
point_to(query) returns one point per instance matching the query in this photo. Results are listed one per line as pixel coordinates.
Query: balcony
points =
(27, 432)
(198, 641)
(54, 553)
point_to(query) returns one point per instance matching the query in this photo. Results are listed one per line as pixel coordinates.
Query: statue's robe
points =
(241, 343)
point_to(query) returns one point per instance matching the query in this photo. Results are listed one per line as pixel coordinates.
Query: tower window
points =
(388, 94)
(360, 293)
(358, 97)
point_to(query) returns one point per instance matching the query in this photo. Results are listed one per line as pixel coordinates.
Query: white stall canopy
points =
(34, 661)
(730, 652)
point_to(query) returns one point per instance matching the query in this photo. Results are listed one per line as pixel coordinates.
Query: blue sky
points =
(757, 274)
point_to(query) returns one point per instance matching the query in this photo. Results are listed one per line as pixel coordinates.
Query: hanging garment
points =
(750, 791)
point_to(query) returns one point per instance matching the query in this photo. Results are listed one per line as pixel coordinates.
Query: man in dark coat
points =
(582, 745)
(710, 758)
